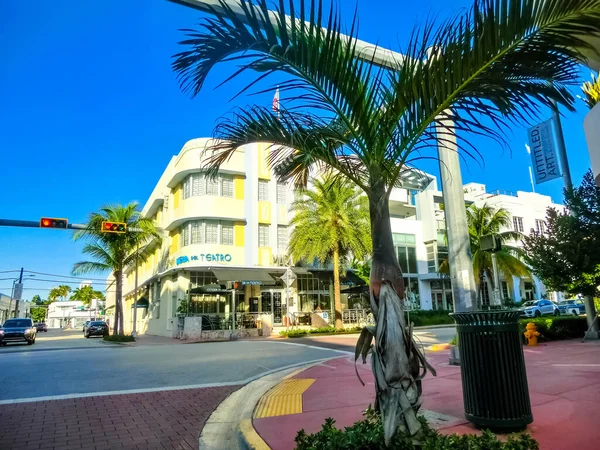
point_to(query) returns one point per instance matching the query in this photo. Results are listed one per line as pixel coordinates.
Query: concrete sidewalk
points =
(564, 387)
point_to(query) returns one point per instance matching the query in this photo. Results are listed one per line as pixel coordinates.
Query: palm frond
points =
(85, 267)
(591, 91)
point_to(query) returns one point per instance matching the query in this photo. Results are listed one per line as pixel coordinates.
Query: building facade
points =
(225, 238)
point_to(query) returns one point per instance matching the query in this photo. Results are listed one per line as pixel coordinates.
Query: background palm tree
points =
(59, 292)
(484, 221)
(331, 223)
(86, 294)
(498, 62)
(116, 251)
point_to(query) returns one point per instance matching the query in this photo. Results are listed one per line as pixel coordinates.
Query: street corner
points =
(250, 438)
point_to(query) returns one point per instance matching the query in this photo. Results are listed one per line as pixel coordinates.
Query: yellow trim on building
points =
(174, 241)
(265, 256)
(238, 234)
(264, 151)
(264, 212)
(238, 187)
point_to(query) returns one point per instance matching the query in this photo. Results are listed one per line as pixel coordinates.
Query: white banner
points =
(18, 292)
(543, 152)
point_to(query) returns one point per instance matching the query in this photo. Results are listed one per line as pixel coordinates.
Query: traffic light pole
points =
(36, 224)
(135, 288)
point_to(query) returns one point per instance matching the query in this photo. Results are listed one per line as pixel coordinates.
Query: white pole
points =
(530, 170)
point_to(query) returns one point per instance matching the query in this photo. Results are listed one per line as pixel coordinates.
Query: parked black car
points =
(95, 328)
(41, 327)
(18, 330)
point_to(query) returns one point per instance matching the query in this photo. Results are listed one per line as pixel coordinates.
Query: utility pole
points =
(135, 288)
(459, 253)
(19, 294)
(562, 149)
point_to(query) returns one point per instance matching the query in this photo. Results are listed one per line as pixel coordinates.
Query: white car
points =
(538, 308)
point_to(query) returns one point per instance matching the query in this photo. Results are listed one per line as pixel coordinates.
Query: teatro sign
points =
(205, 257)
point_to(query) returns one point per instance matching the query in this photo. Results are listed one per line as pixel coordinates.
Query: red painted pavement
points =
(564, 387)
(157, 420)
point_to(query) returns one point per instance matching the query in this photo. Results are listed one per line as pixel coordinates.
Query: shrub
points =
(321, 330)
(556, 328)
(423, 318)
(368, 435)
(119, 338)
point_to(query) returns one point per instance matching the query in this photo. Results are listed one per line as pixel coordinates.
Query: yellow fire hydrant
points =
(531, 334)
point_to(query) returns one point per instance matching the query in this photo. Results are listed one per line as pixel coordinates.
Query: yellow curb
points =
(251, 438)
(284, 399)
(438, 347)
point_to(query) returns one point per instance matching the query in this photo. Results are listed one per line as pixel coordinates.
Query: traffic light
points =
(113, 227)
(51, 222)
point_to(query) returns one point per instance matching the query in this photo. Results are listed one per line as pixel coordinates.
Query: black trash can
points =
(494, 379)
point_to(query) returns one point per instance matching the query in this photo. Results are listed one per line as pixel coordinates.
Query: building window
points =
(431, 262)
(281, 193)
(198, 184)
(282, 239)
(212, 186)
(212, 232)
(206, 232)
(227, 234)
(505, 294)
(184, 236)
(202, 279)
(263, 190)
(540, 226)
(226, 186)
(263, 235)
(197, 233)
(407, 252)
(518, 224)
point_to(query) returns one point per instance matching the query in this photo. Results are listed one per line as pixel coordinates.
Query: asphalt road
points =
(45, 369)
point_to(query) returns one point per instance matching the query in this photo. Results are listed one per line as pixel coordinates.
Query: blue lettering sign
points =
(209, 257)
(227, 257)
(182, 259)
(194, 258)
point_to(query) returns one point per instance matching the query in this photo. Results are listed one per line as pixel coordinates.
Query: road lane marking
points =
(163, 388)
(344, 352)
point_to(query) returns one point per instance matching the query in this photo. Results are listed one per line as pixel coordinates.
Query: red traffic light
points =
(113, 227)
(51, 222)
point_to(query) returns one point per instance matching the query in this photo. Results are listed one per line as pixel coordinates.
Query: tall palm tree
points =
(485, 221)
(59, 292)
(496, 64)
(86, 294)
(331, 223)
(115, 252)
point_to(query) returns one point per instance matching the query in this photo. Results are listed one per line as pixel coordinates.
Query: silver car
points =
(538, 308)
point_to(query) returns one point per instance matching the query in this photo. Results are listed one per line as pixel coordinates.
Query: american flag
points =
(276, 101)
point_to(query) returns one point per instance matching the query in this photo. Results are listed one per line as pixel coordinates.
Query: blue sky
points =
(91, 113)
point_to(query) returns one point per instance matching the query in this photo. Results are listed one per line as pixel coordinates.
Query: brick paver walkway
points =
(157, 420)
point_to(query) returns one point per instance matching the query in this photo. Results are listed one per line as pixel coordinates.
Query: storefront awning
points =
(249, 276)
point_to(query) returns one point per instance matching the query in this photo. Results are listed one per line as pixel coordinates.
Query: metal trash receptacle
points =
(494, 378)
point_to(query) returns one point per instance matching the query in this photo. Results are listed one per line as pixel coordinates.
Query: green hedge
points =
(368, 435)
(322, 330)
(423, 318)
(119, 338)
(557, 328)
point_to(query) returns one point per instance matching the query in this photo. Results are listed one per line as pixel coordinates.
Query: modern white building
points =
(225, 245)
(72, 314)
(8, 308)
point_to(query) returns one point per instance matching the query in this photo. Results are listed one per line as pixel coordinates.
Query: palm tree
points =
(496, 64)
(86, 294)
(331, 223)
(485, 221)
(591, 91)
(59, 292)
(116, 251)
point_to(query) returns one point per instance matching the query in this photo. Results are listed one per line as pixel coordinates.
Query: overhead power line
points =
(66, 276)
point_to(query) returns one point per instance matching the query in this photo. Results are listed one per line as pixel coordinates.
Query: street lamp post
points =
(12, 293)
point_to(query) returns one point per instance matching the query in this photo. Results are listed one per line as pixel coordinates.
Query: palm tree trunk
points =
(118, 329)
(398, 364)
(337, 298)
